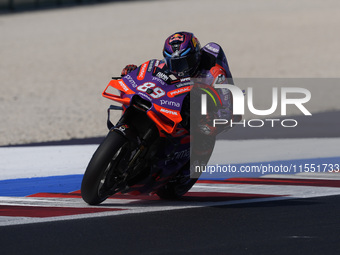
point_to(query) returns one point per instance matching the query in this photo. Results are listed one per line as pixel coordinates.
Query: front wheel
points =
(94, 189)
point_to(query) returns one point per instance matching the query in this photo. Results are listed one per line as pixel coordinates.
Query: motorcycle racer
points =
(184, 58)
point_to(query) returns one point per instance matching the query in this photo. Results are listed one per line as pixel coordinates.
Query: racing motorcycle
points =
(148, 149)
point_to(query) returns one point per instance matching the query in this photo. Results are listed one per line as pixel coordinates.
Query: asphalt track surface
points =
(296, 226)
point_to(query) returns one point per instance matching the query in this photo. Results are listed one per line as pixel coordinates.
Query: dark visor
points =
(181, 64)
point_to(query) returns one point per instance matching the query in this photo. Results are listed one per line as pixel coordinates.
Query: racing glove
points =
(218, 73)
(128, 69)
(206, 125)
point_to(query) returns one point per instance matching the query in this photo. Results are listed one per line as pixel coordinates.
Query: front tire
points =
(99, 165)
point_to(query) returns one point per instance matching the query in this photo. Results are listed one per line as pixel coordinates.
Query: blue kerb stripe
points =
(29, 186)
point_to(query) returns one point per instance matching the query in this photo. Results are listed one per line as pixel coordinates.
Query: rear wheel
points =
(99, 178)
(174, 190)
(177, 187)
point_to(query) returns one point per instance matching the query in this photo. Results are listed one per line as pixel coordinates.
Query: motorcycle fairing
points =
(147, 82)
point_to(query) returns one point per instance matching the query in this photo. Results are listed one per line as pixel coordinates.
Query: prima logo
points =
(170, 103)
(131, 81)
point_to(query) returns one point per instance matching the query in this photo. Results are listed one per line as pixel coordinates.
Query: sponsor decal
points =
(176, 38)
(180, 85)
(168, 111)
(158, 80)
(170, 103)
(162, 76)
(183, 82)
(151, 66)
(211, 48)
(144, 96)
(123, 86)
(179, 91)
(142, 71)
(172, 77)
(130, 80)
(185, 79)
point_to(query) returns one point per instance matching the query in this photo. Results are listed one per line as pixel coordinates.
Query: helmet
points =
(182, 53)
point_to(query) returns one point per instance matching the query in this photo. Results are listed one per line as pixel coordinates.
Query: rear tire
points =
(175, 190)
(98, 166)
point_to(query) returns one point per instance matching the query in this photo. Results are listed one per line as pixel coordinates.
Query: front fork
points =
(136, 126)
